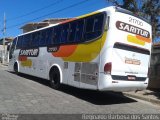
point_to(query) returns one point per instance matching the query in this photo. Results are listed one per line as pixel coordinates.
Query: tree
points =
(130, 5)
(152, 8)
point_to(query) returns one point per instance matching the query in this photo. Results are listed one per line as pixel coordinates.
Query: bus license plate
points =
(131, 78)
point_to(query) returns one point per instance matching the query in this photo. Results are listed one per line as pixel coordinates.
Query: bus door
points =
(11, 49)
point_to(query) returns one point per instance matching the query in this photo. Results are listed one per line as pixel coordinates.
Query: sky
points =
(20, 12)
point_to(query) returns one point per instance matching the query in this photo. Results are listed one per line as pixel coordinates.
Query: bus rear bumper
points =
(108, 84)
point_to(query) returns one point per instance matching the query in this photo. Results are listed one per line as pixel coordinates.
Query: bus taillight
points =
(108, 68)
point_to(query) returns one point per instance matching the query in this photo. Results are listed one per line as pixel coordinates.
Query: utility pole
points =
(4, 31)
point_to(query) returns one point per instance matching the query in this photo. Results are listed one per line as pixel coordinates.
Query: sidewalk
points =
(4, 64)
(152, 96)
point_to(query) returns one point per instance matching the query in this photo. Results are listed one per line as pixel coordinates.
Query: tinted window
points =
(26, 40)
(72, 31)
(43, 41)
(64, 35)
(94, 25)
(11, 50)
(89, 24)
(48, 35)
(35, 39)
(98, 22)
(79, 30)
(131, 48)
(14, 41)
(13, 44)
(57, 34)
(19, 42)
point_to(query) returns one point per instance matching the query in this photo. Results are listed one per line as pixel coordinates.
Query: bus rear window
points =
(131, 48)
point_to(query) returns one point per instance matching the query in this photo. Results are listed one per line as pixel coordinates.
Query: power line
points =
(57, 11)
(34, 11)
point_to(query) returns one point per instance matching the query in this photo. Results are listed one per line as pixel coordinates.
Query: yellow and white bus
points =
(107, 50)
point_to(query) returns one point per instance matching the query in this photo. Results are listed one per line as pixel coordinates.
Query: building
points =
(36, 25)
(154, 82)
(3, 48)
(7, 40)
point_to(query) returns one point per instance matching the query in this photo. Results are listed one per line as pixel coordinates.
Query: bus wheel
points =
(16, 68)
(55, 78)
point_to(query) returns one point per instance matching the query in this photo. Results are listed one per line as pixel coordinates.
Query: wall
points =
(154, 82)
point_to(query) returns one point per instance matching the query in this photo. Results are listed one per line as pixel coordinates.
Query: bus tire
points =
(15, 68)
(55, 78)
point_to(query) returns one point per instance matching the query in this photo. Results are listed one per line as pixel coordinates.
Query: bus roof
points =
(110, 8)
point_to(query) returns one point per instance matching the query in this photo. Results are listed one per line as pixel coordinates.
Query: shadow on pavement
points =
(91, 96)
(97, 97)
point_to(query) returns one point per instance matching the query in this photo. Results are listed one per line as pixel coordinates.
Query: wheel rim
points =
(54, 79)
(15, 68)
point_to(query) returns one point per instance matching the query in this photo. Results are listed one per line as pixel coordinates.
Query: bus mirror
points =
(10, 56)
(8, 47)
(107, 24)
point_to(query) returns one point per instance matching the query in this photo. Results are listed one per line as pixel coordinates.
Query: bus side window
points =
(57, 34)
(79, 31)
(14, 43)
(89, 24)
(26, 41)
(48, 37)
(35, 39)
(42, 40)
(64, 34)
(72, 31)
(98, 23)
(19, 42)
(93, 28)
(89, 28)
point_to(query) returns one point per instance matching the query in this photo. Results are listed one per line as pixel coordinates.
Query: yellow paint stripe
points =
(27, 63)
(133, 39)
(86, 52)
(86, 15)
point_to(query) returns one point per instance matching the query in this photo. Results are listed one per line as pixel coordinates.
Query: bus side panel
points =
(83, 65)
(69, 72)
(105, 57)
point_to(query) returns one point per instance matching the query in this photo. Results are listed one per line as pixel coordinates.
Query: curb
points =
(4, 66)
(154, 101)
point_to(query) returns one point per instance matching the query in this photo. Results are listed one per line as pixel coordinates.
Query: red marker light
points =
(108, 68)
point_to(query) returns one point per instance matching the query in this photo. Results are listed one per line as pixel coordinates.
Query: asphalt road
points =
(30, 95)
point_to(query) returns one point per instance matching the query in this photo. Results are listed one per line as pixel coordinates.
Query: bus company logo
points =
(29, 52)
(132, 61)
(53, 49)
(132, 29)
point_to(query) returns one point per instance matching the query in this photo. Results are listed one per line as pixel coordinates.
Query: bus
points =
(106, 50)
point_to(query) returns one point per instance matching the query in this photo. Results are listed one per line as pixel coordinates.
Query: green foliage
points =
(152, 8)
